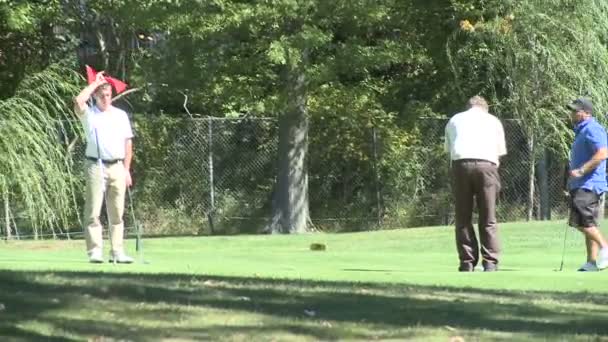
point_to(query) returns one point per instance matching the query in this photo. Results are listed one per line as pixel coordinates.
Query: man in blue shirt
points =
(587, 182)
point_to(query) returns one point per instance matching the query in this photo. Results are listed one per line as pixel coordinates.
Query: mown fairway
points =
(385, 285)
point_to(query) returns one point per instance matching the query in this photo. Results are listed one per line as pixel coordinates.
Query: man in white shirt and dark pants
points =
(475, 140)
(108, 159)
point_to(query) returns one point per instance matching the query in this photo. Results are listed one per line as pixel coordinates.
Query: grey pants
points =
(474, 179)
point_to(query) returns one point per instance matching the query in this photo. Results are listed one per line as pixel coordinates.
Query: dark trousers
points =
(476, 179)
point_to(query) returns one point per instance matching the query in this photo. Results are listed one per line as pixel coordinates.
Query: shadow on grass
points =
(156, 306)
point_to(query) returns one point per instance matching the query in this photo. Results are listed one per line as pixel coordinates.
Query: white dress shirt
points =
(475, 134)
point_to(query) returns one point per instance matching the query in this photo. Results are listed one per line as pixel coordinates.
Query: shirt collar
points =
(579, 126)
(476, 110)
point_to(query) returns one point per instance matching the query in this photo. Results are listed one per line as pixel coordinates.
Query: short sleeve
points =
(596, 137)
(85, 118)
(448, 137)
(128, 130)
(501, 147)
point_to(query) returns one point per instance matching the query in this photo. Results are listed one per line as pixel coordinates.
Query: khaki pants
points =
(115, 187)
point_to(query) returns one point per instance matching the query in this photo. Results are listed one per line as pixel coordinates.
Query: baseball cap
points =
(583, 104)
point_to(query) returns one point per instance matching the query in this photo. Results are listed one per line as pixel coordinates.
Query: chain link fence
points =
(532, 178)
(216, 176)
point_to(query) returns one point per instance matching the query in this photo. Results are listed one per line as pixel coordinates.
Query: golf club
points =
(561, 266)
(139, 247)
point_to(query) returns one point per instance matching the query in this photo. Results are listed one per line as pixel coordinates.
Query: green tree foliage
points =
(31, 38)
(531, 58)
(368, 70)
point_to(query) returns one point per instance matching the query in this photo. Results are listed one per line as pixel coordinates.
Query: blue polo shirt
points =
(589, 136)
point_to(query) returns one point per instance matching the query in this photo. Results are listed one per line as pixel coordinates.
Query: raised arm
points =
(80, 101)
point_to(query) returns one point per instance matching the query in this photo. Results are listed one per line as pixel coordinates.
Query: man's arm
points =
(80, 101)
(128, 158)
(597, 139)
(600, 155)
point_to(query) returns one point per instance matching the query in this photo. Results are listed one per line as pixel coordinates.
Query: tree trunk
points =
(543, 187)
(103, 48)
(290, 200)
(7, 215)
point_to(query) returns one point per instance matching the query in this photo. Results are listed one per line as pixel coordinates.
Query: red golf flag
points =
(119, 86)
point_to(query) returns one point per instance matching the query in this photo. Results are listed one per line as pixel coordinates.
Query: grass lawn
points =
(387, 285)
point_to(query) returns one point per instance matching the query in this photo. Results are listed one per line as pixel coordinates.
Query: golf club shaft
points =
(561, 266)
(138, 242)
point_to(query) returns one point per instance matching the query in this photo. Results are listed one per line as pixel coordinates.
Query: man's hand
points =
(577, 173)
(129, 180)
(100, 78)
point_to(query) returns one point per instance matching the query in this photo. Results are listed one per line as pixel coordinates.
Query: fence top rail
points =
(253, 118)
(445, 118)
(199, 118)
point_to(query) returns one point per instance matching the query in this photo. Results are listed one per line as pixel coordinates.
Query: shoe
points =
(490, 267)
(120, 258)
(602, 258)
(588, 267)
(95, 256)
(466, 268)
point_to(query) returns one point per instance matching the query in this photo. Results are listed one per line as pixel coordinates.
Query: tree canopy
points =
(340, 67)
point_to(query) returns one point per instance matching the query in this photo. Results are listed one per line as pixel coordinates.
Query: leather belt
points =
(105, 161)
(469, 160)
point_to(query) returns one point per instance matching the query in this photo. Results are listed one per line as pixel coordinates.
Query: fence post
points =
(211, 210)
(377, 177)
(531, 171)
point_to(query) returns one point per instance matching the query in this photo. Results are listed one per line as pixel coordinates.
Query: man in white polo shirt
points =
(108, 159)
(475, 140)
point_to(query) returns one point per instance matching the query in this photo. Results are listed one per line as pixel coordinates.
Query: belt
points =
(105, 161)
(468, 160)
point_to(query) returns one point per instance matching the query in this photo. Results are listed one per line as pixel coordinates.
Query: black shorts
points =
(584, 208)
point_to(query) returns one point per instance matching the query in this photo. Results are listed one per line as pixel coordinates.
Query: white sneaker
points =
(120, 258)
(95, 256)
(588, 267)
(602, 258)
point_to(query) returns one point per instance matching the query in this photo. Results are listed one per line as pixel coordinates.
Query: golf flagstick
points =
(103, 188)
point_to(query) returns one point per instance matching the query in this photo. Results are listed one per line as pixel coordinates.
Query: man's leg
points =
(586, 203)
(592, 249)
(92, 209)
(593, 240)
(466, 241)
(487, 189)
(116, 204)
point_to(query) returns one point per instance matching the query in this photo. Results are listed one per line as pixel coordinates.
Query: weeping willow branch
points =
(33, 158)
(532, 57)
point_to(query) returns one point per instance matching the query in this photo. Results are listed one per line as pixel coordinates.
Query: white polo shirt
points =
(110, 128)
(475, 134)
